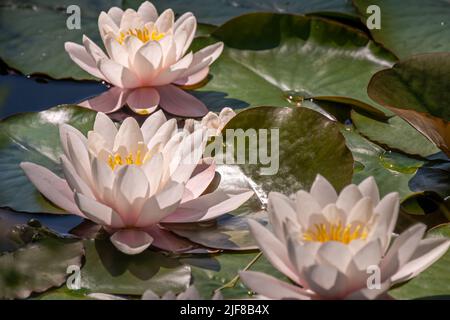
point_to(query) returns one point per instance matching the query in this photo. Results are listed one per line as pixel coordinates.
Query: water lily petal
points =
(107, 102)
(198, 183)
(173, 72)
(348, 197)
(115, 14)
(129, 136)
(178, 102)
(116, 51)
(64, 130)
(117, 74)
(98, 212)
(193, 79)
(79, 156)
(166, 240)
(165, 21)
(274, 250)
(131, 241)
(163, 134)
(305, 205)
(147, 61)
(362, 211)
(94, 50)
(323, 191)
(74, 180)
(106, 128)
(271, 287)
(152, 124)
(157, 207)
(327, 281)
(83, 59)
(369, 188)
(106, 23)
(143, 100)
(280, 208)
(208, 207)
(148, 12)
(51, 186)
(401, 250)
(203, 58)
(187, 25)
(428, 252)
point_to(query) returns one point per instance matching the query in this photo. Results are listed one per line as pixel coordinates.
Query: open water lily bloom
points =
(136, 181)
(329, 245)
(146, 61)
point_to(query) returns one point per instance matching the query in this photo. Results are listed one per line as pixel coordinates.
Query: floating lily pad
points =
(307, 144)
(64, 293)
(37, 267)
(392, 133)
(391, 170)
(210, 273)
(109, 271)
(434, 282)
(422, 94)
(276, 59)
(410, 27)
(18, 229)
(219, 11)
(34, 32)
(34, 137)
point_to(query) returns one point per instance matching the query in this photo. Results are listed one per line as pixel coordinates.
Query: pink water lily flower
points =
(136, 181)
(147, 59)
(339, 246)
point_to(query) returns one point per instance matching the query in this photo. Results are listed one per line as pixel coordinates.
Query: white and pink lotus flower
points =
(136, 181)
(146, 61)
(329, 244)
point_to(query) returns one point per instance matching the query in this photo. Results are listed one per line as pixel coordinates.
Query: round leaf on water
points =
(34, 137)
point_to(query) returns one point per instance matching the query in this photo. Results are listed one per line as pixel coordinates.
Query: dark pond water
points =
(19, 93)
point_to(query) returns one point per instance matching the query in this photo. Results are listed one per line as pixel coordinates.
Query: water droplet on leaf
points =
(396, 162)
(358, 167)
(295, 97)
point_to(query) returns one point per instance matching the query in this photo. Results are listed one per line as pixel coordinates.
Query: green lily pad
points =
(434, 282)
(34, 137)
(420, 83)
(217, 12)
(64, 293)
(34, 32)
(18, 229)
(410, 27)
(391, 170)
(421, 88)
(213, 272)
(277, 59)
(392, 134)
(37, 267)
(308, 144)
(109, 271)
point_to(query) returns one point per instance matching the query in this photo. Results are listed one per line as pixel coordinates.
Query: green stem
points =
(232, 283)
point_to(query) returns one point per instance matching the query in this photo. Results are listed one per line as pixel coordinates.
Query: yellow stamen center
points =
(335, 232)
(143, 34)
(117, 160)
